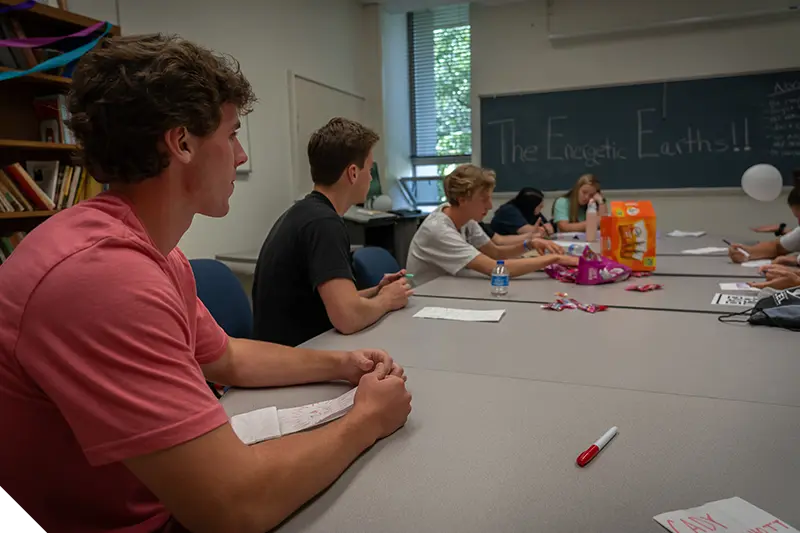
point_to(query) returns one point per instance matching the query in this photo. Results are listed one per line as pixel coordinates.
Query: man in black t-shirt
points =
(304, 281)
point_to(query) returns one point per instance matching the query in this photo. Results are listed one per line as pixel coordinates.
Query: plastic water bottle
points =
(500, 279)
(591, 221)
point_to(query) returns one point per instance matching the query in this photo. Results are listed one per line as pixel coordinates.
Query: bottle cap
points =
(501, 262)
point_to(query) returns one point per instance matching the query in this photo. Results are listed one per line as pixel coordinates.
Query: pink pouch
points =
(592, 269)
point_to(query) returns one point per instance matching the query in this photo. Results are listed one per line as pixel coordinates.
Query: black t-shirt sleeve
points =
(327, 249)
(487, 229)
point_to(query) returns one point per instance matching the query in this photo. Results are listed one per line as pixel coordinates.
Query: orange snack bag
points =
(628, 235)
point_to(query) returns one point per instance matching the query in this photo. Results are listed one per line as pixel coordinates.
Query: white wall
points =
(396, 102)
(511, 53)
(330, 41)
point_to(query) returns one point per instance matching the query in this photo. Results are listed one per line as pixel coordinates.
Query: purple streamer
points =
(18, 7)
(33, 42)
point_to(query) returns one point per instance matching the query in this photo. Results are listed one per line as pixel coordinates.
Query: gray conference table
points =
(673, 265)
(682, 293)
(656, 351)
(482, 453)
(250, 257)
(666, 245)
(676, 245)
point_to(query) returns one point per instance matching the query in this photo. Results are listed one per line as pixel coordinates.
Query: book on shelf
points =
(8, 243)
(53, 114)
(44, 185)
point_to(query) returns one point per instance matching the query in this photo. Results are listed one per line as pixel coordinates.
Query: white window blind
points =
(441, 114)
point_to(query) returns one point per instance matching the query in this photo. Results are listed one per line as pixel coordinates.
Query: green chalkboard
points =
(677, 134)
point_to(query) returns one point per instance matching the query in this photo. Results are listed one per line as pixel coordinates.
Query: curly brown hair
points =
(128, 91)
(337, 145)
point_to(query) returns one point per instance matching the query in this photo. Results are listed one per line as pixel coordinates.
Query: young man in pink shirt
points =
(105, 348)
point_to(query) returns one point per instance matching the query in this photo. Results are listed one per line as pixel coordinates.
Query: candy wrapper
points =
(592, 269)
(641, 274)
(565, 302)
(644, 288)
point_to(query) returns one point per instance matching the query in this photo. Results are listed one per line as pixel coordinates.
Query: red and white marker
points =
(586, 457)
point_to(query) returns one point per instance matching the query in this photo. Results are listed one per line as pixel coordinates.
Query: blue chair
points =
(221, 292)
(370, 264)
(224, 297)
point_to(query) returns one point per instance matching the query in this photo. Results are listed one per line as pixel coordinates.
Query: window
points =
(441, 114)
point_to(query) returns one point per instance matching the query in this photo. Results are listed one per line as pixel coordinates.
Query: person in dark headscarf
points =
(522, 215)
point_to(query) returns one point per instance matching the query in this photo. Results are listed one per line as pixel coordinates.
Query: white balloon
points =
(762, 182)
(382, 203)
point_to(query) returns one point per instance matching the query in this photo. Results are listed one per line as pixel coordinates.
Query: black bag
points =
(781, 310)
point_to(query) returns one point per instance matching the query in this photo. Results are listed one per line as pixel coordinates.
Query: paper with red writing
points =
(733, 515)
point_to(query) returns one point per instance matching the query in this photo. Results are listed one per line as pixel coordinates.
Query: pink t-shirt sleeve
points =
(112, 341)
(211, 338)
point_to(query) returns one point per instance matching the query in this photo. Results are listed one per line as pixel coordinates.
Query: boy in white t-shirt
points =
(451, 239)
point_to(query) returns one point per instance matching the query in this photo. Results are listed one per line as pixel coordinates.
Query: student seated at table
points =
(778, 249)
(451, 240)
(522, 215)
(504, 240)
(304, 283)
(569, 211)
(105, 348)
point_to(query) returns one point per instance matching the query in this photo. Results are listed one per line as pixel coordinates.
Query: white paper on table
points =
(742, 300)
(738, 286)
(257, 426)
(733, 515)
(757, 263)
(707, 250)
(464, 315)
(296, 419)
(679, 233)
(271, 423)
(570, 235)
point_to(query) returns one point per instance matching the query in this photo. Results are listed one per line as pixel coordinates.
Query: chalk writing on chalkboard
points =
(674, 134)
(650, 143)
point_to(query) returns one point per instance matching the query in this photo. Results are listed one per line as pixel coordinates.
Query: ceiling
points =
(403, 6)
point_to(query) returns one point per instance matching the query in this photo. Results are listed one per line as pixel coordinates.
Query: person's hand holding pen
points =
(737, 252)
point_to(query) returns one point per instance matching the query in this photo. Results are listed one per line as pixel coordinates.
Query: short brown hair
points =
(128, 91)
(337, 145)
(466, 180)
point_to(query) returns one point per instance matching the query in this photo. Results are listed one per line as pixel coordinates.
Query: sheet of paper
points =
(733, 515)
(706, 251)
(742, 300)
(464, 315)
(296, 419)
(256, 426)
(757, 263)
(679, 233)
(738, 286)
(570, 235)
(270, 422)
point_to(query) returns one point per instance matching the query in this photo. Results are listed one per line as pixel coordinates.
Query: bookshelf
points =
(44, 18)
(26, 214)
(21, 129)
